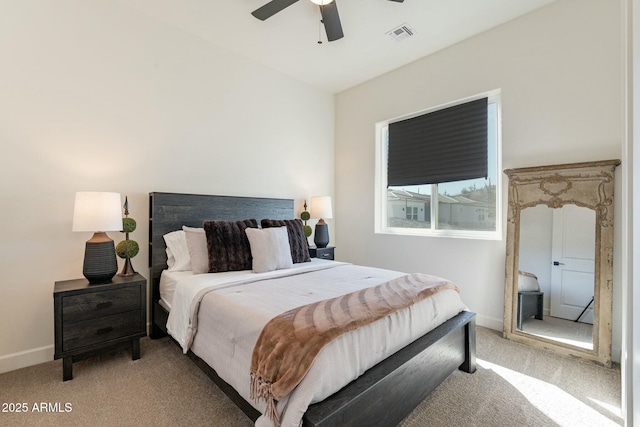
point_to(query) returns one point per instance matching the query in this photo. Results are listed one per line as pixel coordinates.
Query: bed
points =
(383, 395)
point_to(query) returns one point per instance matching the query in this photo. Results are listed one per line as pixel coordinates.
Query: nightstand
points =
(92, 318)
(324, 253)
(529, 304)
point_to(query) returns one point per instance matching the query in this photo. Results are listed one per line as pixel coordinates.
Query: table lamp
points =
(98, 212)
(321, 208)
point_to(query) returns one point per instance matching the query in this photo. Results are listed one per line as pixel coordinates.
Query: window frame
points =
(381, 213)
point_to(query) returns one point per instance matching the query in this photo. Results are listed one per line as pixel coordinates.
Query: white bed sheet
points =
(168, 281)
(232, 313)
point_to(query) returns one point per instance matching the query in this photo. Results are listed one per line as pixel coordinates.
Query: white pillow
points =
(528, 282)
(178, 258)
(197, 244)
(269, 248)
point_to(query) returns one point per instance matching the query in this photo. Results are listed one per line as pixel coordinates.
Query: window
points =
(412, 213)
(437, 171)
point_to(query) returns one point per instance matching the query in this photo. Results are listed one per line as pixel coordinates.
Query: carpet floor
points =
(514, 385)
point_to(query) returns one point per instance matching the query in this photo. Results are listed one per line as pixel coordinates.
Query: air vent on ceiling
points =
(401, 32)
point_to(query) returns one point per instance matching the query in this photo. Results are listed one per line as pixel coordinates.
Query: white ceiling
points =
(287, 41)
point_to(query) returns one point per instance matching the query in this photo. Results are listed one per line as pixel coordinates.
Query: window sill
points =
(454, 234)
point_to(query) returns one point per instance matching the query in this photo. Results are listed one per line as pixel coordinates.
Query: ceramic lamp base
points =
(100, 263)
(321, 237)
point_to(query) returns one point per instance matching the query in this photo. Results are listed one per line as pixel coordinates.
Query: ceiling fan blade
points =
(271, 8)
(331, 21)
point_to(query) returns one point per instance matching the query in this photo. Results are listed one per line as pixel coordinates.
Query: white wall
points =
(96, 96)
(631, 219)
(559, 69)
(536, 236)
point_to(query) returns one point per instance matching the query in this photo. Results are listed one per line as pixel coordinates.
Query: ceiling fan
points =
(328, 9)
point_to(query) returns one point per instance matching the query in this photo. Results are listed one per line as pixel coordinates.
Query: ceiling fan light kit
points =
(328, 9)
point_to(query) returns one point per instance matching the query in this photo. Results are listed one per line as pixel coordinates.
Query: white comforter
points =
(220, 316)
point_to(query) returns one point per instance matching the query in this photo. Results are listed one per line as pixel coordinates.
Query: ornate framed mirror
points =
(559, 258)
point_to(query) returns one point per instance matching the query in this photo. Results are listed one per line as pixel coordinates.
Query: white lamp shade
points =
(97, 211)
(321, 2)
(321, 207)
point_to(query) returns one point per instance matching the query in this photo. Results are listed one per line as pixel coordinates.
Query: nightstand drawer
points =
(325, 254)
(322, 253)
(93, 331)
(85, 306)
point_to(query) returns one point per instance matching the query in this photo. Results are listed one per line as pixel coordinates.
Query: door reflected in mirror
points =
(556, 279)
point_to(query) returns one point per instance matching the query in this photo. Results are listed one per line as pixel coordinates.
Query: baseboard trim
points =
(616, 354)
(35, 356)
(22, 359)
(489, 322)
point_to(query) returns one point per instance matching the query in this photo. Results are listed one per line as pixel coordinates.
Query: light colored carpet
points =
(514, 386)
(566, 331)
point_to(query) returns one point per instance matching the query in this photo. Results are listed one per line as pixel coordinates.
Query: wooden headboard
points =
(170, 211)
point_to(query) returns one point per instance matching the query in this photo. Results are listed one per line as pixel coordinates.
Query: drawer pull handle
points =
(104, 304)
(105, 330)
(325, 255)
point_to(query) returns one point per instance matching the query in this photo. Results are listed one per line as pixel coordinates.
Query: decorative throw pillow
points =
(528, 282)
(197, 244)
(228, 245)
(269, 248)
(297, 239)
(178, 258)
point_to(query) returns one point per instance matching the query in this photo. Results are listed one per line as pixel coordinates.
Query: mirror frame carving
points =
(590, 185)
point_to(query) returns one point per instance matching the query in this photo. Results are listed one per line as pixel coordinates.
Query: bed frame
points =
(384, 394)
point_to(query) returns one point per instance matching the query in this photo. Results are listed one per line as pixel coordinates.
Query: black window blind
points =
(443, 146)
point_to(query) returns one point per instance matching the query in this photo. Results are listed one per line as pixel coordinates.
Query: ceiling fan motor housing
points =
(328, 9)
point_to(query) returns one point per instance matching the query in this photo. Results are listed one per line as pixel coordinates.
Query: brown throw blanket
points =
(290, 342)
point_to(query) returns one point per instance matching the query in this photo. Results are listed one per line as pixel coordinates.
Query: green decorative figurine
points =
(127, 249)
(305, 216)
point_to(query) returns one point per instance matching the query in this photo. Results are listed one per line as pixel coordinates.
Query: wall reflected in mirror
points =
(556, 274)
